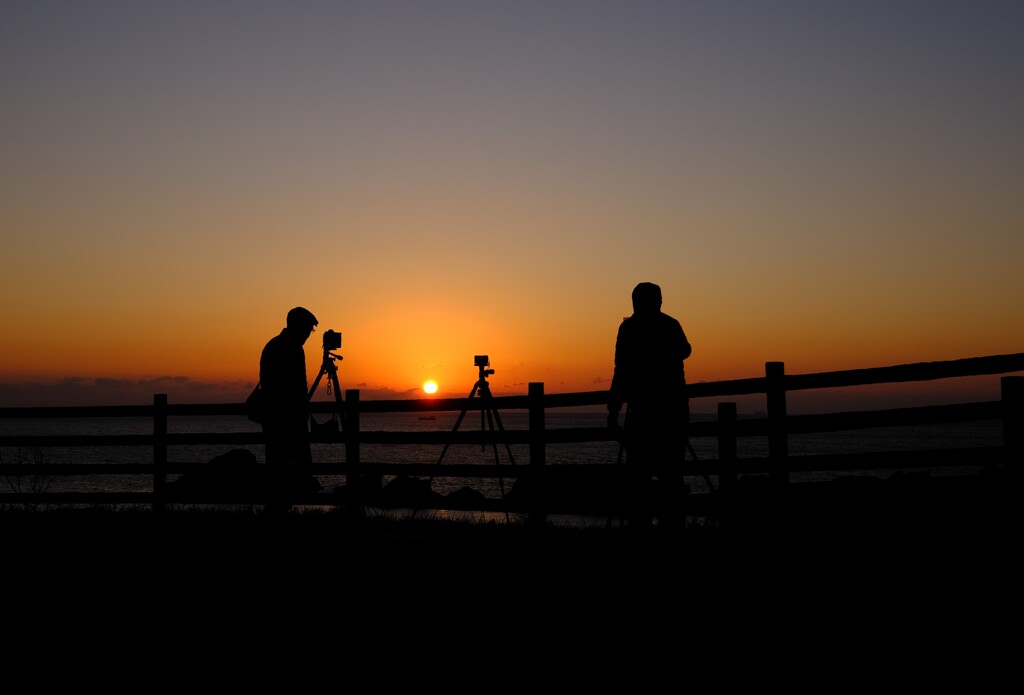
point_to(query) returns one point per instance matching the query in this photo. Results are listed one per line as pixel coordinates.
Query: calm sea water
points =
(988, 433)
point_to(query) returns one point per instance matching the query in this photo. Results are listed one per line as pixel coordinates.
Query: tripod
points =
(488, 411)
(689, 447)
(329, 368)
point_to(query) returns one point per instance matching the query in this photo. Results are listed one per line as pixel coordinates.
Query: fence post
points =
(353, 478)
(778, 445)
(727, 446)
(1013, 421)
(159, 451)
(538, 454)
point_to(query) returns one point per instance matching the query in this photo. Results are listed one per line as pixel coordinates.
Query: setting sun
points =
(430, 387)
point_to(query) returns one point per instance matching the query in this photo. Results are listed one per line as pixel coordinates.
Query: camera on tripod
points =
(332, 340)
(483, 361)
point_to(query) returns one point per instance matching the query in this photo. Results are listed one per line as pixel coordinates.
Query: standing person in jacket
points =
(649, 379)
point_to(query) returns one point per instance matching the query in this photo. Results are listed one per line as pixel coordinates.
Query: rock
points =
(236, 473)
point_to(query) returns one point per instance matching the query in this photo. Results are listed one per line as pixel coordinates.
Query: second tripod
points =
(488, 415)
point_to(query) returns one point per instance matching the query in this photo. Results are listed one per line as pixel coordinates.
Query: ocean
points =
(946, 436)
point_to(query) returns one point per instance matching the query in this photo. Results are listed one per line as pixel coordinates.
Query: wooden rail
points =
(776, 425)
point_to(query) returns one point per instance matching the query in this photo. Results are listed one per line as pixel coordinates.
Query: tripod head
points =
(482, 362)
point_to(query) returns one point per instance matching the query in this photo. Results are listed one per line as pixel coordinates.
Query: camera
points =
(482, 361)
(332, 340)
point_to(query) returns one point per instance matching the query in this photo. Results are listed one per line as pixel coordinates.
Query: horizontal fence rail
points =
(776, 426)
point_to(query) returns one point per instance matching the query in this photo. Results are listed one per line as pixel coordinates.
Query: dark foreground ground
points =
(791, 593)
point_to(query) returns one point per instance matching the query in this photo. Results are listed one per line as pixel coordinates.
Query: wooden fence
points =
(775, 425)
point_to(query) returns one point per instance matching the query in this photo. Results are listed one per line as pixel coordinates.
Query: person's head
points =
(301, 322)
(646, 298)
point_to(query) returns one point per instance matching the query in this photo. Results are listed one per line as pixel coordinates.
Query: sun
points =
(430, 387)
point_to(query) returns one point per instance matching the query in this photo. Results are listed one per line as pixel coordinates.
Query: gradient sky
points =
(831, 185)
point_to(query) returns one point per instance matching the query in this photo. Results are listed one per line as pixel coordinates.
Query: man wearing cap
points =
(283, 381)
(649, 351)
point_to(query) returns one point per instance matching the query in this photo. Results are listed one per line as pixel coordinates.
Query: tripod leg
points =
(494, 442)
(338, 401)
(501, 428)
(694, 455)
(492, 415)
(316, 383)
(485, 393)
(455, 429)
(483, 445)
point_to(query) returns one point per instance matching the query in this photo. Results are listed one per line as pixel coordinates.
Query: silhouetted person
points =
(286, 427)
(649, 351)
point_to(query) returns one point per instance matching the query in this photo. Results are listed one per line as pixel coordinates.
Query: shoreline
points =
(851, 506)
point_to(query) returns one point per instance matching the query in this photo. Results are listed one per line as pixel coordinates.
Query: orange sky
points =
(833, 188)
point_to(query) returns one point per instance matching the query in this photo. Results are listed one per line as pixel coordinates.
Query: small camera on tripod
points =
(482, 361)
(332, 340)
